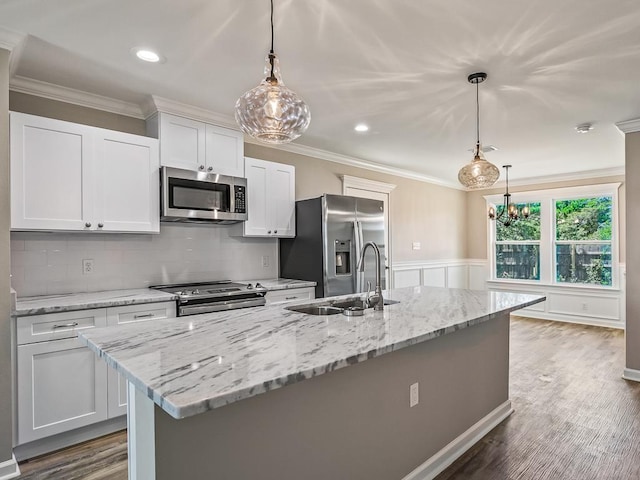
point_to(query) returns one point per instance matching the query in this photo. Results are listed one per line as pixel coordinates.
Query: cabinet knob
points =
(201, 167)
(210, 169)
(275, 231)
(88, 224)
(100, 225)
(269, 232)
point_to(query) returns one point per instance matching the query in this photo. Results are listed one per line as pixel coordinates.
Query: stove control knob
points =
(195, 292)
(258, 285)
(249, 287)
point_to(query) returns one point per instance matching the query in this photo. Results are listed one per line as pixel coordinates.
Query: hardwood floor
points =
(575, 417)
(102, 459)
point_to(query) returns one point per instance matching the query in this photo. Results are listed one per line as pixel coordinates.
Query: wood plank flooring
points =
(575, 418)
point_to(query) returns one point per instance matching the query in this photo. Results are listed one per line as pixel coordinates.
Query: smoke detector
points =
(584, 128)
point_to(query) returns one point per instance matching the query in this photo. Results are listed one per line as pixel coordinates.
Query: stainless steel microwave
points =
(190, 196)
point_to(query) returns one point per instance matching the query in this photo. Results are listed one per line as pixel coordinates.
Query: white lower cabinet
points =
(63, 385)
(116, 383)
(278, 297)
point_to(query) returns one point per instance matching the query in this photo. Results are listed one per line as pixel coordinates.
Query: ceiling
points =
(399, 66)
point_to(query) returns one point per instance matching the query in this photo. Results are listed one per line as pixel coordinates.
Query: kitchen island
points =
(206, 397)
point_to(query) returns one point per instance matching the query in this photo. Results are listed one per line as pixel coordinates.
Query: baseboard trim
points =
(631, 374)
(9, 469)
(67, 439)
(455, 449)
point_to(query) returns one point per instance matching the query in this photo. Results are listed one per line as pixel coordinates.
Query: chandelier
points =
(270, 112)
(479, 173)
(509, 212)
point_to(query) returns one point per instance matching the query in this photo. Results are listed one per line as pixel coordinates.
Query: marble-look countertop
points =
(272, 284)
(82, 301)
(112, 298)
(192, 364)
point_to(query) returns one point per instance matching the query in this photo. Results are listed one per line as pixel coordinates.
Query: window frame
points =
(547, 199)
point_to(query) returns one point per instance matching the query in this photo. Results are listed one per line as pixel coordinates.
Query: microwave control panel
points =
(240, 194)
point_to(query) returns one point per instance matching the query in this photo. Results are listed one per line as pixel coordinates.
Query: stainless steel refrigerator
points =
(331, 231)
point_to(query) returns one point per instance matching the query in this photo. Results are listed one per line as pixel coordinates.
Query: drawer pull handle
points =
(66, 325)
(290, 298)
(144, 315)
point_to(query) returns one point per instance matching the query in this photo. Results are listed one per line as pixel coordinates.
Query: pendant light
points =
(270, 112)
(509, 213)
(479, 173)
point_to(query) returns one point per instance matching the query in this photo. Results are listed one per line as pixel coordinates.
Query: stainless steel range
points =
(205, 297)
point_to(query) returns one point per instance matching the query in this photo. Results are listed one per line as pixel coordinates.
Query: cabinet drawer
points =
(290, 295)
(139, 313)
(55, 326)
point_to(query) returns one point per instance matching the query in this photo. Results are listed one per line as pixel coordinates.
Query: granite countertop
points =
(193, 364)
(82, 301)
(112, 298)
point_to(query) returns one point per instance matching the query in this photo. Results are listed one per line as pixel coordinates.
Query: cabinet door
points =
(259, 221)
(116, 383)
(127, 183)
(182, 142)
(51, 161)
(61, 386)
(290, 295)
(282, 199)
(224, 151)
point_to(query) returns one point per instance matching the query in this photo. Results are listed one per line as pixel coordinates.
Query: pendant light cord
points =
(477, 117)
(272, 54)
(272, 27)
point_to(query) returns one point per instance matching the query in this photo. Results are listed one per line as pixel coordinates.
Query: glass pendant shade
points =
(270, 112)
(479, 173)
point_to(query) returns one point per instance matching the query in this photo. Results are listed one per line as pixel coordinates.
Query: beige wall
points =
(20, 102)
(5, 268)
(420, 212)
(632, 146)
(477, 214)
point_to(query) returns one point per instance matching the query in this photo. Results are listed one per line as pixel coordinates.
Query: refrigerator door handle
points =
(356, 271)
(361, 244)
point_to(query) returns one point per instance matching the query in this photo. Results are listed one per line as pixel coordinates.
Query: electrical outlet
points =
(265, 261)
(414, 394)
(87, 266)
(416, 245)
(585, 307)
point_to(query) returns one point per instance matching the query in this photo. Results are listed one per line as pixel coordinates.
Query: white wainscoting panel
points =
(434, 276)
(588, 305)
(406, 278)
(458, 276)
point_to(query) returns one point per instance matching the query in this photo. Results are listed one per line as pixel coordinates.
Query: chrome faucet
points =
(376, 299)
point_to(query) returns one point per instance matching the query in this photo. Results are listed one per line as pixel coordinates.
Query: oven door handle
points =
(221, 306)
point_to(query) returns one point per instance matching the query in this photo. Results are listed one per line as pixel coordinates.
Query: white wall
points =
(51, 263)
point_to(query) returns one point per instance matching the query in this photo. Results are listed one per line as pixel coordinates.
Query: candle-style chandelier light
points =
(509, 212)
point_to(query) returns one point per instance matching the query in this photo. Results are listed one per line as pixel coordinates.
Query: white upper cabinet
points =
(66, 176)
(51, 162)
(127, 183)
(194, 145)
(271, 199)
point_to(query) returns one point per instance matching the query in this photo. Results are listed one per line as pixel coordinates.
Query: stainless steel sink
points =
(335, 307)
(316, 309)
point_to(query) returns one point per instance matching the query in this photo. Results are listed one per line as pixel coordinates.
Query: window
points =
(518, 246)
(583, 240)
(569, 238)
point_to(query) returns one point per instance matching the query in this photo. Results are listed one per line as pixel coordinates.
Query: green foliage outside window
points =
(521, 229)
(584, 219)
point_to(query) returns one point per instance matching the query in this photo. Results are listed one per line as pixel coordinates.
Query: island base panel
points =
(354, 423)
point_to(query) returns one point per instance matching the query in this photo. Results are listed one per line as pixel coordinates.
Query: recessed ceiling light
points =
(147, 55)
(584, 128)
(361, 127)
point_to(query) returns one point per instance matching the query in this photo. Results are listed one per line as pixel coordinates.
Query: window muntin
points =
(517, 247)
(583, 240)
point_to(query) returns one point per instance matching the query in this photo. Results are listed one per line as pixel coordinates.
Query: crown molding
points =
(629, 126)
(356, 162)
(155, 104)
(10, 39)
(567, 177)
(76, 97)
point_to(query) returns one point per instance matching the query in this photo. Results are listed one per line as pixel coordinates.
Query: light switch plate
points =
(416, 245)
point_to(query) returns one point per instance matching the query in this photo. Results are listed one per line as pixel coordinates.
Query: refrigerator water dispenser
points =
(343, 257)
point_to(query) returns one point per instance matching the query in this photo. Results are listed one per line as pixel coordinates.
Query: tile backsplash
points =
(52, 263)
